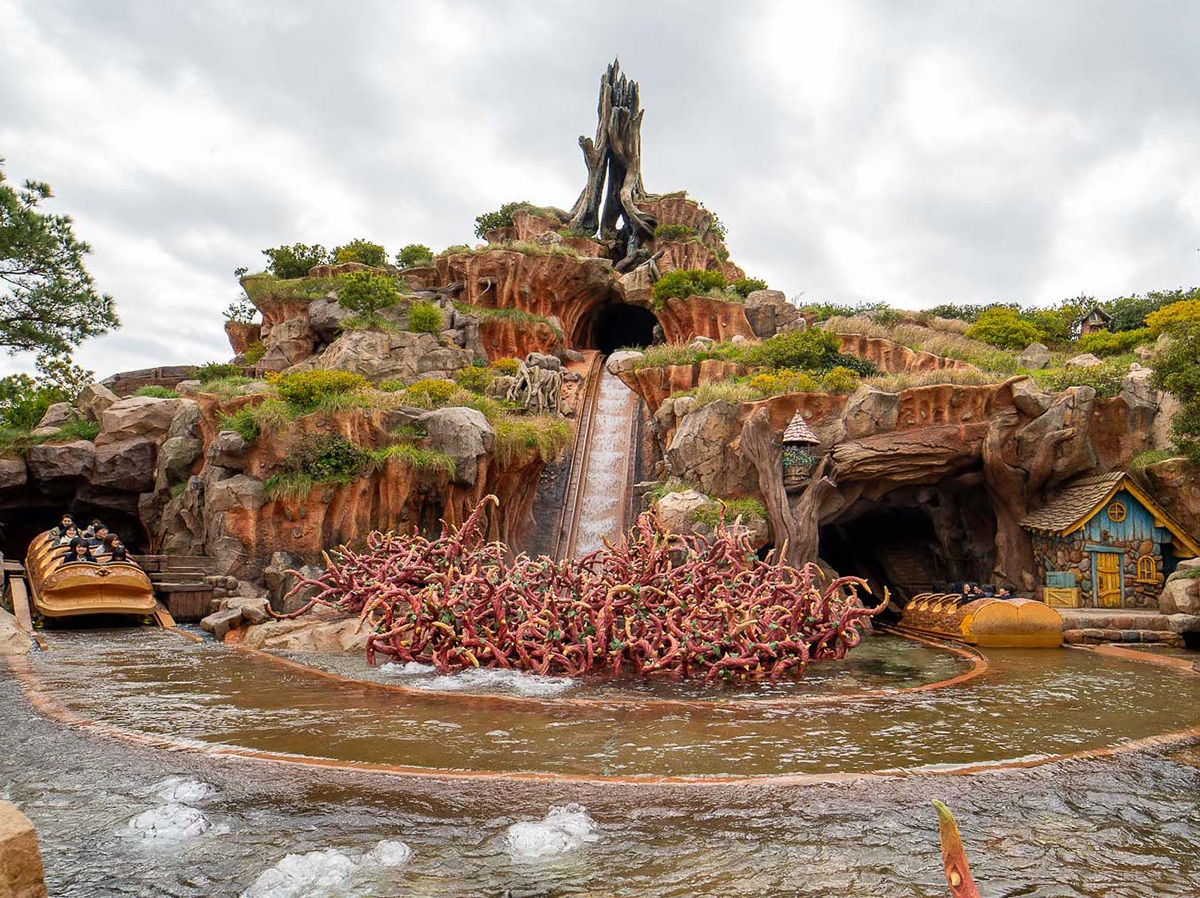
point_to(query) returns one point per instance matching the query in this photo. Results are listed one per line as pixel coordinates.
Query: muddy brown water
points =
(1122, 826)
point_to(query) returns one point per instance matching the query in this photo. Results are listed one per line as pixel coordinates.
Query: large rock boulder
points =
(870, 411)
(13, 473)
(128, 466)
(228, 450)
(1176, 483)
(13, 640)
(770, 313)
(1029, 398)
(325, 317)
(1084, 360)
(139, 416)
(1035, 357)
(394, 355)
(675, 510)
(61, 462)
(229, 503)
(56, 416)
(464, 434)
(701, 451)
(94, 399)
(176, 457)
(317, 631)
(288, 343)
(1181, 594)
(620, 362)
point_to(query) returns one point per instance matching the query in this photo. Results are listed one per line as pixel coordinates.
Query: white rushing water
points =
(602, 502)
(480, 680)
(327, 872)
(564, 829)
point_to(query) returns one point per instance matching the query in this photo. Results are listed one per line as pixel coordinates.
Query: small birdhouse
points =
(799, 452)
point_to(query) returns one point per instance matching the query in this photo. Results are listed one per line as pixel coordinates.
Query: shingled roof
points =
(1074, 505)
(799, 431)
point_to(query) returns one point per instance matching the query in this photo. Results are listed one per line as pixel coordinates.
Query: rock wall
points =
(685, 318)
(893, 358)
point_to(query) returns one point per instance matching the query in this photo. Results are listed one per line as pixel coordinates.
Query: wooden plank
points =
(20, 600)
(184, 587)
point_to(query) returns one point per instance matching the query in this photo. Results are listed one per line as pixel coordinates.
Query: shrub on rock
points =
(685, 282)
(287, 262)
(414, 254)
(366, 293)
(1003, 327)
(425, 317)
(306, 389)
(362, 251)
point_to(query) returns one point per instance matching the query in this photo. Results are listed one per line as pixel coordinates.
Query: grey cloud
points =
(401, 122)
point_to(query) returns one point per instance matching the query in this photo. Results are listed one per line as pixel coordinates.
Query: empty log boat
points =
(1000, 623)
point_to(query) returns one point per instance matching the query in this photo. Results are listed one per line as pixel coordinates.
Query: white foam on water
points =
(181, 790)
(169, 824)
(326, 872)
(564, 829)
(486, 679)
(388, 853)
(409, 669)
(601, 511)
(481, 679)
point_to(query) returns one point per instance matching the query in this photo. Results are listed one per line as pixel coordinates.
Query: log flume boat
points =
(998, 623)
(59, 588)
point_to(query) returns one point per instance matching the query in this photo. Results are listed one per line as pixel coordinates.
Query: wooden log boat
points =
(59, 588)
(1000, 623)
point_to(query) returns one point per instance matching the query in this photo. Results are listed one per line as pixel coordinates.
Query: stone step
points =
(1127, 619)
(1095, 636)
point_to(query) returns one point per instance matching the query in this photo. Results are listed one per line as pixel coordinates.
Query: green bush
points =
(1106, 343)
(23, 402)
(840, 379)
(1176, 315)
(157, 392)
(226, 387)
(685, 282)
(475, 378)
(215, 371)
(425, 461)
(1143, 460)
(306, 389)
(413, 255)
(745, 286)
(1105, 379)
(425, 317)
(454, 249)
(254, 352)
(429, 392)
(287, 262)
(673, 232)
(751, 511)
(241, 310)
(328, 457)
(1177, 369)
(506, 366)
(522, 436)
(826, 310)
(362, 251)
(809, 350)
(503, 217)
(1003, 327)
(1127, 313)
(366, 293)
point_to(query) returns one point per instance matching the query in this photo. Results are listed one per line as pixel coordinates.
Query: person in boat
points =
(70, 534)
(1003, 593)
(117, 553)
(67, 521)
(967, 592)
(80, 552)
(99, 535)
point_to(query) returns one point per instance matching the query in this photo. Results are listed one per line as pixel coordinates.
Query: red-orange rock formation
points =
(685, 318)
(505, 339)
(893, 358)
(242, 335)
(551, 284)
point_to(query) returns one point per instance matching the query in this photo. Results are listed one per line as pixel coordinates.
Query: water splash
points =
(481, 680)
(169, 824)
(564, 829)
(182, 790)
(326, 872)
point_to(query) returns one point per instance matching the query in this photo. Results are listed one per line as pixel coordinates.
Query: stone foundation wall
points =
(1070, 554)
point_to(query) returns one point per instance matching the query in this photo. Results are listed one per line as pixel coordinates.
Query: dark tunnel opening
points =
(612, 327)
(913, 541)
(19, 525)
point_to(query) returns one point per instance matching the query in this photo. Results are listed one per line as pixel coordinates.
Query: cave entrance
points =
(928, 539)
(22, 523)
(617, 325)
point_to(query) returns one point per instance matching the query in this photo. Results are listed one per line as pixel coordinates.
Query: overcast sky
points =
(913, 152)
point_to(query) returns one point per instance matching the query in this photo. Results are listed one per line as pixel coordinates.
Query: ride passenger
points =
(117, 553)
(79, 553)
(67, 521)
(70, 534)
(99, 536)
(1003, 593)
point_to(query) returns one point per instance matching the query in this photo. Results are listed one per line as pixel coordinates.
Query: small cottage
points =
(1094, 321)
(799, 458)
(1102, 542)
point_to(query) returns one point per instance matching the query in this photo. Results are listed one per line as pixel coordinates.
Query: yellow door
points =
(1109, 579)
